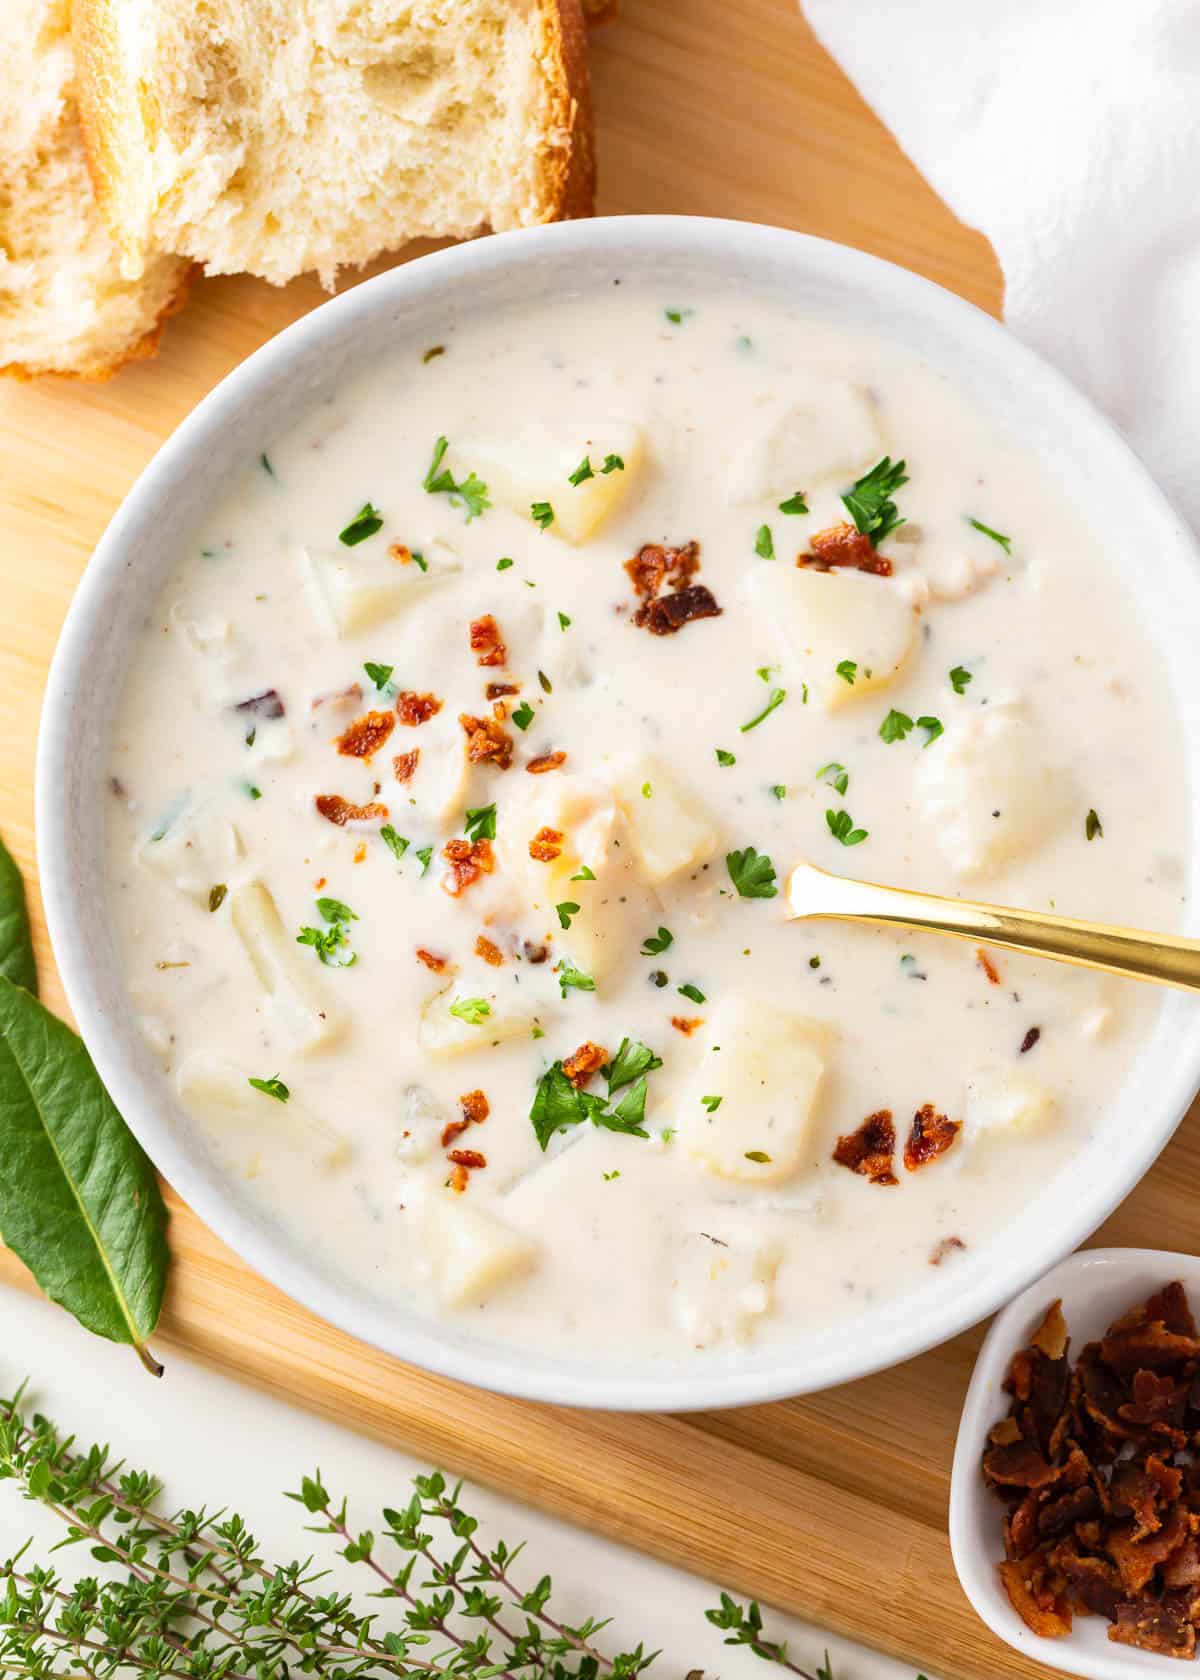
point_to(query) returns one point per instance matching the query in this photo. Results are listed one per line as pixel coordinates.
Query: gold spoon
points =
(1165, 958)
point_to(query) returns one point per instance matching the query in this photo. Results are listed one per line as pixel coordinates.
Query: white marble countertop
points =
(211, 1440)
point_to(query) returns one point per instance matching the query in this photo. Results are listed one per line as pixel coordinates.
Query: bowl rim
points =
(983, 1405)
(671, 1387)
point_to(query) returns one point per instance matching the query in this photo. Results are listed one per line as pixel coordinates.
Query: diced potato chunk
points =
(488, 1015)
(197, 849)
(295, 1000)
(987, 789)
(613, 901)
(835, 438)
(535, 465)
(721, 1287)
(670, 829)
(767, 1072)
(209, 1080)
(353, 591)
(471, 1253)
(1001, 1100)
(956, 566)
(438, 785)
(821, 620)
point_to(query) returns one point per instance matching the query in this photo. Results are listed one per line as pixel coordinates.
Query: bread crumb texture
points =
(282, 136)
(65, 306)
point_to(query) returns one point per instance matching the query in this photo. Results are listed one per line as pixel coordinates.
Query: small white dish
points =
(1096, 1286)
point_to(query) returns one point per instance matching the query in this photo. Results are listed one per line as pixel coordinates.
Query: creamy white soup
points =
(464, 757)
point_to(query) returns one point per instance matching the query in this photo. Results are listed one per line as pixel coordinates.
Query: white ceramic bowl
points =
(416, 303)
(1096, 1287)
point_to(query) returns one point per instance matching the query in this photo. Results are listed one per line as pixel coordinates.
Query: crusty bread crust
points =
(569, 169)
(97, 372)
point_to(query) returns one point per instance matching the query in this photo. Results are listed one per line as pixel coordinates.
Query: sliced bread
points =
(280, 136)
(65, 306)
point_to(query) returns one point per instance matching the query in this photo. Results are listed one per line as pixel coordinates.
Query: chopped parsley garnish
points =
(425, 853)
(542, 514)
(474, 1011)
(725, 758)
(776, 698)
(896, 726)
(933, 727)
(794, 504)
(273, 1087)
(380, 675)
(471, 493)
(759, 1155)
(613, 463)
(712, 1104)
(609, 1176)
(658, 942)
(365, 523)
(1092, 826)
(523, 716)
(419, 561)
(565, 911)
(434, 351)
(841, 826)
(678, 316)
(395, 843)
(847, 669)
(216, 896)
(557, 1104)
(544, 683)
(564, 623)
(331, 943)
(585, 874)
(504, 562)
(264, 461)
(480, 822)
(779, 791)
(996, 536)
(573, 979)
(959, 678)
(814, 962)
(869, 500)
(752, 873)
(764, 543)
(252, 791)
(658, 977)
(582, 472)
(647, 791)
(836, 775)
(692, 992)
(252, 736)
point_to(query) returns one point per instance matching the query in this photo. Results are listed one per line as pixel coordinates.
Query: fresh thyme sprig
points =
(192, 1594)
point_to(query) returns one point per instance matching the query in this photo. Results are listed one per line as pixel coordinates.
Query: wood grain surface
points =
(833, 1506)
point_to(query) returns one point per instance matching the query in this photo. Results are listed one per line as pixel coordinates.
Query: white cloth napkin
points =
(1068, 132)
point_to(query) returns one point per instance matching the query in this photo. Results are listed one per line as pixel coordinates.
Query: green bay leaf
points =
(79, 1203)
(16, 942)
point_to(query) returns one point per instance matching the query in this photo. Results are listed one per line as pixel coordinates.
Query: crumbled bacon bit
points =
(497, 691)
(500, 711)
(404, 764)
(432, 960)
(654, 564)
(486, 741)
(398, 551)
(1095, 1467)
(987, 965)
(475, 1107)
(341, 811)
(547, 761)
(546, 845)
(467, 1158)
(687, 1024)
(487, 644)
(458, 1179)
(946, 1247)
(488, 951)
(535, 953)
(468, 860)
(320, 881)
(414, 709)
(587, 1060)
(670, 613)
(870, 1149)
(364, 737)
(844, 545)
(264, 705)
(1030, 1039)
(931, 1135)
(360, 852)
(340, 698)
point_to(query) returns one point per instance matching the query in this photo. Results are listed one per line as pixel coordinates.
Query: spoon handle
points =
(1167, 959)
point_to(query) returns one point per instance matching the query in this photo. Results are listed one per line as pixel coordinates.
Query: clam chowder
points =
(464, 757)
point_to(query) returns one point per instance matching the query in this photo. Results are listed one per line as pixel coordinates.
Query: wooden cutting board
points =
(833, 1506)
